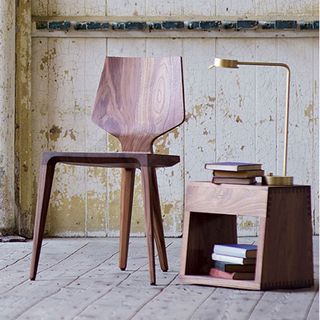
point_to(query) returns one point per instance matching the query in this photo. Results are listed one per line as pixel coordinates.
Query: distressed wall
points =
(7, 78)
(231, 115)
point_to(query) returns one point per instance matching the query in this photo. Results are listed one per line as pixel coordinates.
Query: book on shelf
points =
(236, 250)
(229, 267)
(220, 180)
(214, 272)
(238, 174)
(233, 166)
(234, 260)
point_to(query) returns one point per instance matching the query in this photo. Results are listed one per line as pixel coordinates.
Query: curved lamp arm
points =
(224, 63)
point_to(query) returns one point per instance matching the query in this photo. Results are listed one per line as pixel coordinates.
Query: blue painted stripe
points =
(201, 25)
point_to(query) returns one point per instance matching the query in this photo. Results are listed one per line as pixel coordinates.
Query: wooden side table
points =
(284, 256)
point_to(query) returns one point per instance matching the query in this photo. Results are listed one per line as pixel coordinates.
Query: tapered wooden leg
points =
(158, 226)
(146, 173)
(127, 190)
(44, 190)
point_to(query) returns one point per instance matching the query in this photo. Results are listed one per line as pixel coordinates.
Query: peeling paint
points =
(49, 55)
(167, 208)
(171, 216)
(162, 144)
(67, 213)
(113, 144)
(2, 176)
(175, 133)
(200, 110)
(246, 224)
(100, 203)
(55, 132)
(7, 125)
(238, 119)
(309, 113)
(270, 119)
(69, 132)
(25, 200)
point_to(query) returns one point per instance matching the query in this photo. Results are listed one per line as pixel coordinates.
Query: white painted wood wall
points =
(231, 114)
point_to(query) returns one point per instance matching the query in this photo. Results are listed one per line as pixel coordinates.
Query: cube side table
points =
(284, 256)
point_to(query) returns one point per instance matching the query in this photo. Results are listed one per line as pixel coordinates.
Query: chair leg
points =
(44, 190)
(158, 226)
(127, 189)
(146, 173)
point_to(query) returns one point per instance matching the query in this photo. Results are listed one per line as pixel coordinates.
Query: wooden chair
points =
(138, 100)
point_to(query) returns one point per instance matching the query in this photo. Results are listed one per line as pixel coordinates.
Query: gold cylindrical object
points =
(224, 63)
(272, 180)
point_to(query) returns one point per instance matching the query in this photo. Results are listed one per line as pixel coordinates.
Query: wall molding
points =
(177, 25)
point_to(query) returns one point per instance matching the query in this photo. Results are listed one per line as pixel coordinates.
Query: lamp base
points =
(272, 180)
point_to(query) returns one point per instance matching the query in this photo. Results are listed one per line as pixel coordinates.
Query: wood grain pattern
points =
(127, 190)
(112, 159)
(146, 175)
(124, 106)
(217, 282)
(226, 199)
(157, 220)
(135, 104)
(287, 251)
(90, 288)
(260, 243)
(284, 258)
(128, 48)
(44, 190)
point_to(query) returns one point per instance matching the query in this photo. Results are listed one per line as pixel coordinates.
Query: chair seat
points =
(112, 159)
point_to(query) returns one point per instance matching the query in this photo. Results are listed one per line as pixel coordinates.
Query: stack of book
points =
(235, 172)
(234, 261)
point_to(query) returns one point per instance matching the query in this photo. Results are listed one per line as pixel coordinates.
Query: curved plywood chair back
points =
(139, 99)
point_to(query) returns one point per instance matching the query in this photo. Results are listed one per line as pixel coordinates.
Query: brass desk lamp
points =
(270, 179)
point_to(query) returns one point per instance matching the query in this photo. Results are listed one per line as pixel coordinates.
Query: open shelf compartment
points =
(206, 230)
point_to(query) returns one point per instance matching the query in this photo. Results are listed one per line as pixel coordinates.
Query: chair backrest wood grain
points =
(139, 99)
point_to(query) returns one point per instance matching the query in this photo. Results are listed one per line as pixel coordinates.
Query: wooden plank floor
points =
(80, 279)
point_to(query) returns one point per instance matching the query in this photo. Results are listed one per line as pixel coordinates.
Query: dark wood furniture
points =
(284, 256)
(138, 100)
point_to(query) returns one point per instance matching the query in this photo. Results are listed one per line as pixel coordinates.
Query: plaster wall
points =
(231, 115)
(7, 94)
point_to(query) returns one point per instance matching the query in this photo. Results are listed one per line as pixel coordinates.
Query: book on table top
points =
(238, 174)
(220, 180)
(231, 275)
(229, 267)
(233, 166)
(234, 260)
(236, 250)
